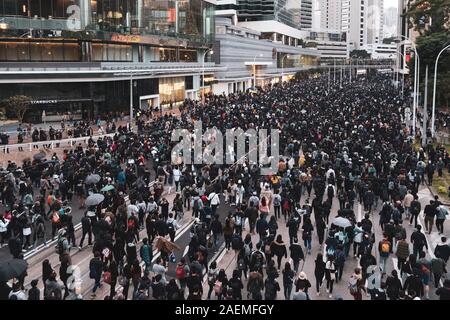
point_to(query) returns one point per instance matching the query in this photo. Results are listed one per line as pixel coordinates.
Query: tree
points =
(431, 19)
(19, 104)
(359, 54)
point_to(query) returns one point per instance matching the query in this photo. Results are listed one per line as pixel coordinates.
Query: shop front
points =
(54, 110)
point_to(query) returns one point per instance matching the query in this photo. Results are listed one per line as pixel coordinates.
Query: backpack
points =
(257, 260)
(236, 242)
(107, 277)
(241, 264)
(330, 191)
(55, 217)
(158, 291)
(276, 200)
(385, 247)
(196, 205)
(340, 258)
(170, 227)
(391, 185)
(60, 246)
(180, 273)
(54, 294)
(218, 287)
(131, 223)
(269, 288)
(247, 249)
(238, 220)
(353, 286)
(211, 277)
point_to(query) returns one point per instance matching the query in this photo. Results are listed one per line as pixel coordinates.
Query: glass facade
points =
(191, 20)
(284, 11)
(171, 91)
(39, 51)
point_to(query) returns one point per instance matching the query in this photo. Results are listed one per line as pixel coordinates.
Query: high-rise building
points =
(284, 11)
(306, 14)
(363, 21)
(330, 14)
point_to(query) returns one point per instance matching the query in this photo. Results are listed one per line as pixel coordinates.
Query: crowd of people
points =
(74, 129)
(347, 144)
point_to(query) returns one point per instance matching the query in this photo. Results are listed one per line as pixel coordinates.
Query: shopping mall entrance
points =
(150, 101)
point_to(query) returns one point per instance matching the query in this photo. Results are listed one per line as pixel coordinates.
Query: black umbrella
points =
(12, 269)
(39, 156)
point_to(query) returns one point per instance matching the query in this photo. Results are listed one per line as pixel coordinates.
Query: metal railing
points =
(50, 144)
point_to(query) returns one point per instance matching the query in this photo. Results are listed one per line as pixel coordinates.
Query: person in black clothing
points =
(15, 247)
(113, 270)
(278, 248)
(236, 285)
(393, 286)
(444, 292)
(429, 212)
(86, 227)
(194, 279)
(321, 226)
(442, 250)
(418, 240)
(413, 284)
(415, 209)
(172, 290)
(293, 225)
(216, 229)
(70, 229)
(366, 224)
(296, 253)
(34, 293)
(319, 272)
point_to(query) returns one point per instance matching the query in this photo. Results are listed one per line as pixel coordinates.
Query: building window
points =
(188, 55)
(167, 55)
(111, 52)
(29, 51)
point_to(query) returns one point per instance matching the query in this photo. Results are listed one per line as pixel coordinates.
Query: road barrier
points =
(50, 144)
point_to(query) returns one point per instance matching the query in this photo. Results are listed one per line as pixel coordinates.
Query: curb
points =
(445, 203)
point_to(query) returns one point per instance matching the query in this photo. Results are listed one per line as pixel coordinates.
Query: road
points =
(82, 257)
(228, 261)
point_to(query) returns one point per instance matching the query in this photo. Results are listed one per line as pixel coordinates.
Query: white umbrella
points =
(342, 222)
(94, 199)
(133, 209)
(92, 179)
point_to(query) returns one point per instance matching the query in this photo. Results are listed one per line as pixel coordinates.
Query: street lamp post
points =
(433, 110)
(282, 66)
(425, 112)
(254, 68)
(416, 81)
(403, 73)
(334, 70)
(350, 69)
(203, 73)
(329, 71)
(131, 101)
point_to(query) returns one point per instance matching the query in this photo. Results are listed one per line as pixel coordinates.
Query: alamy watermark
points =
(191, 149)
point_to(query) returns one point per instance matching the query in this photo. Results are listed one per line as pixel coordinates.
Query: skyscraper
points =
(330, 14)
(306, 17)
(363, 21)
